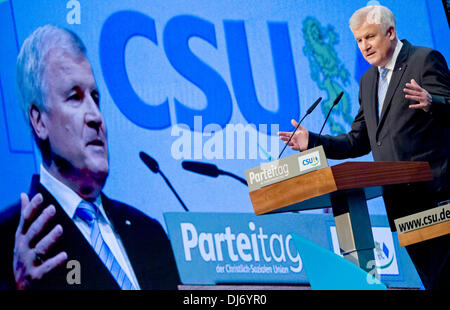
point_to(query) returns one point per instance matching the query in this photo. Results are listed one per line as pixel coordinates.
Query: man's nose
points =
(93, 116)
(365, 46)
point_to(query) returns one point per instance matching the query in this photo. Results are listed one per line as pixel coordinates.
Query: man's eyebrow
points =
(76, 86)
(71, 89)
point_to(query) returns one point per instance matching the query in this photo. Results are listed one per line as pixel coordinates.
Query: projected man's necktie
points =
(88, 213)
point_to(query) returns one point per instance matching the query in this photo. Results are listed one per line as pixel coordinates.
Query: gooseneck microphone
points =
(336, 101)
(311, 108)
(209, 170)
(152, 164)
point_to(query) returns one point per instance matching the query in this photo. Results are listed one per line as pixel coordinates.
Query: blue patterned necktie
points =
(88, 213)
(382, 89)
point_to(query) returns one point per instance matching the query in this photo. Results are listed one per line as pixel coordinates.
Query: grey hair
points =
(31, 63)
(373, 14)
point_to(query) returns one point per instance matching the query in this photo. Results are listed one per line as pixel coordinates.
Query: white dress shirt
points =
(391, 63)
(69, 201)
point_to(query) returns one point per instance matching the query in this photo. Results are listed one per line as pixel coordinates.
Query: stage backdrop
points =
(210, 81)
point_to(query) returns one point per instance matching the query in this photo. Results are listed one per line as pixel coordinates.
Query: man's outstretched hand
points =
(28, 264)
(299, 141)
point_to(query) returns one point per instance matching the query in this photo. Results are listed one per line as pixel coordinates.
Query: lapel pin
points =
(128, 223)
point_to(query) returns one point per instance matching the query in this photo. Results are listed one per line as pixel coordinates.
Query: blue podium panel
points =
(221, 248)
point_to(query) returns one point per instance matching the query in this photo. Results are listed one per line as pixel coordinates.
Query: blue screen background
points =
(172, 72)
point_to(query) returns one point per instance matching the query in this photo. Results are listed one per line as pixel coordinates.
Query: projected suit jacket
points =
(143, 238)
(401, 133)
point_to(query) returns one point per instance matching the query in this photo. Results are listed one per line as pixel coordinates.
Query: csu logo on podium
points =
(309, 161)
(384, 251)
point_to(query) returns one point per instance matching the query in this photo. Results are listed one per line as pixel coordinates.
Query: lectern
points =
(345, 188)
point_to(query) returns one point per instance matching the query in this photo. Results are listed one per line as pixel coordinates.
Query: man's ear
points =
(38, 122)
(391, 33)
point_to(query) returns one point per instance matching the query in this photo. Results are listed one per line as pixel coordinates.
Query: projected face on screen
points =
(72, 121)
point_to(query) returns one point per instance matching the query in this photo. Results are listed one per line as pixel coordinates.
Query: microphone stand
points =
(152, 164)
(242, 180)
(311, 108)
(173, 190)
(336, 101)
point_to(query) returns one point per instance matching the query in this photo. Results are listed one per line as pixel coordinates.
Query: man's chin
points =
(371, 61)
(99, 174)
(376, 62)
(97, 169)
(94, 182)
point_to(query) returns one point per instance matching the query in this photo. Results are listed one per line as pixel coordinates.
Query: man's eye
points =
(75, 96)
(96, 97)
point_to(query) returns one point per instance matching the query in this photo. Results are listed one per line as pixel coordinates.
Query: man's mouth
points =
(96, 142)
(370, 54)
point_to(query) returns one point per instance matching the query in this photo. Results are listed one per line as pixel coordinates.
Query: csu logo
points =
(309, 161)
(173, 40)
(383, 255)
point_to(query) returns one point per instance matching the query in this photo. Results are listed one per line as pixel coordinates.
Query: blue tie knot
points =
(383, 73)
(86, 211)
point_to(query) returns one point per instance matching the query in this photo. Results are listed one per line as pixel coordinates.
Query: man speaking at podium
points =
(65, 217)
(403, 116)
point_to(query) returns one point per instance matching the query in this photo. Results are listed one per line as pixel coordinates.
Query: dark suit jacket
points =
(143, 238)
(401, 133)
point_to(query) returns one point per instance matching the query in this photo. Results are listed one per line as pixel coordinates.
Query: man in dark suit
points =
(65, 217)
(403, 116)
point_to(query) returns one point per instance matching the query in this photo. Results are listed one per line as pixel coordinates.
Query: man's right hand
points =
(28, 263)
(299, 141)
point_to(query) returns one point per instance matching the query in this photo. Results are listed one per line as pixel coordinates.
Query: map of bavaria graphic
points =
(327, 71)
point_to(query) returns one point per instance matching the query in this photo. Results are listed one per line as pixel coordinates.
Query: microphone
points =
(152, 164)
(209, 170)
(338, 98)
(311, 108)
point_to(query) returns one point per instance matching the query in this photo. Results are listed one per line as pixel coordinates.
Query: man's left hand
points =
(413, 91)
